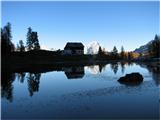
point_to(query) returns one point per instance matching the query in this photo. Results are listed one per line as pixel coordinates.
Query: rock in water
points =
(132, 79)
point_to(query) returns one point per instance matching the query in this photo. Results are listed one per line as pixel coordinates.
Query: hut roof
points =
(74, 45)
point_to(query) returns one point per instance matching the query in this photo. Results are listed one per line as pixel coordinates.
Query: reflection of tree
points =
(122, 67)
(21, 76)
(33, 82)
(154, 69)
(130, 63)
(114, 67)
(156, 77)
(101, 67)
(6, 85)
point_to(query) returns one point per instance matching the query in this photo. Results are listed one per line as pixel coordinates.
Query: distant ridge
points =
(144, 48)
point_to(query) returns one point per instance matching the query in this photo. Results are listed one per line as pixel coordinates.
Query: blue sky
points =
(130, 24)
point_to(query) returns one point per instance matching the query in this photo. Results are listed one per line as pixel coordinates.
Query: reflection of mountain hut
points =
(74, 72)
(73, 48)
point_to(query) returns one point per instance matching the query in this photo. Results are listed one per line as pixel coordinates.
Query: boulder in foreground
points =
(132, 79)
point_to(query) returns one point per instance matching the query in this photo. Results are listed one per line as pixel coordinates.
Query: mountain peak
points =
(93, 47)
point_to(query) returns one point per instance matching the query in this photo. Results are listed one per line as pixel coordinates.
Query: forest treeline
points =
(32, 44)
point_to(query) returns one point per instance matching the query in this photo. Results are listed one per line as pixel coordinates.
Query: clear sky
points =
(130, 24)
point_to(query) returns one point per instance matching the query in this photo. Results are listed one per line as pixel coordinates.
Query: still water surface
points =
(81, 92)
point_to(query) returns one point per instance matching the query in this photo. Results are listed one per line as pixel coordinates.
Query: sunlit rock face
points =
(93, 69)
(93, 48)
(144, 48)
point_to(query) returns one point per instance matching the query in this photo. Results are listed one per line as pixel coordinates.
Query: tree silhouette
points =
(35, 41)
(32, 40)
(17, 47)
(6, 44)
(100, 50)
(130, 55)
(29, 39)
(114, 53)
(154, 47)
(21, 46)
(122, 53)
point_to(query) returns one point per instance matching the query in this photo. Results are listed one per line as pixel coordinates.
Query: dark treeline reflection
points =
(153, 69)
(21, 76)
(120, 65)
(101, 67)
(33, 80)
(72, 72)
(114, 67)
(7, 86)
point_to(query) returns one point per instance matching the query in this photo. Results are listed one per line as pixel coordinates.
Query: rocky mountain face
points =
(144, 48)
(93, 48)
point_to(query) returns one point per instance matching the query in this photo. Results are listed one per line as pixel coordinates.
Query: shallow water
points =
(81, 92)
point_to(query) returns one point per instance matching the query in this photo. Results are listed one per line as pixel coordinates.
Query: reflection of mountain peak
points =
(94, 69)
(93, 47)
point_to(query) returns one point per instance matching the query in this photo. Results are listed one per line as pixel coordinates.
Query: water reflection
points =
(71, 72)
(154, 70)
(94, 69)
(21, 76)
(101, 67)
(74, 72)
(33, 80)
(122, 67)
(107, 91)
(114, 67)
(7, 86)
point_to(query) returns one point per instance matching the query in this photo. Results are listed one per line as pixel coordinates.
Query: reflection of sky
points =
(109, 23)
